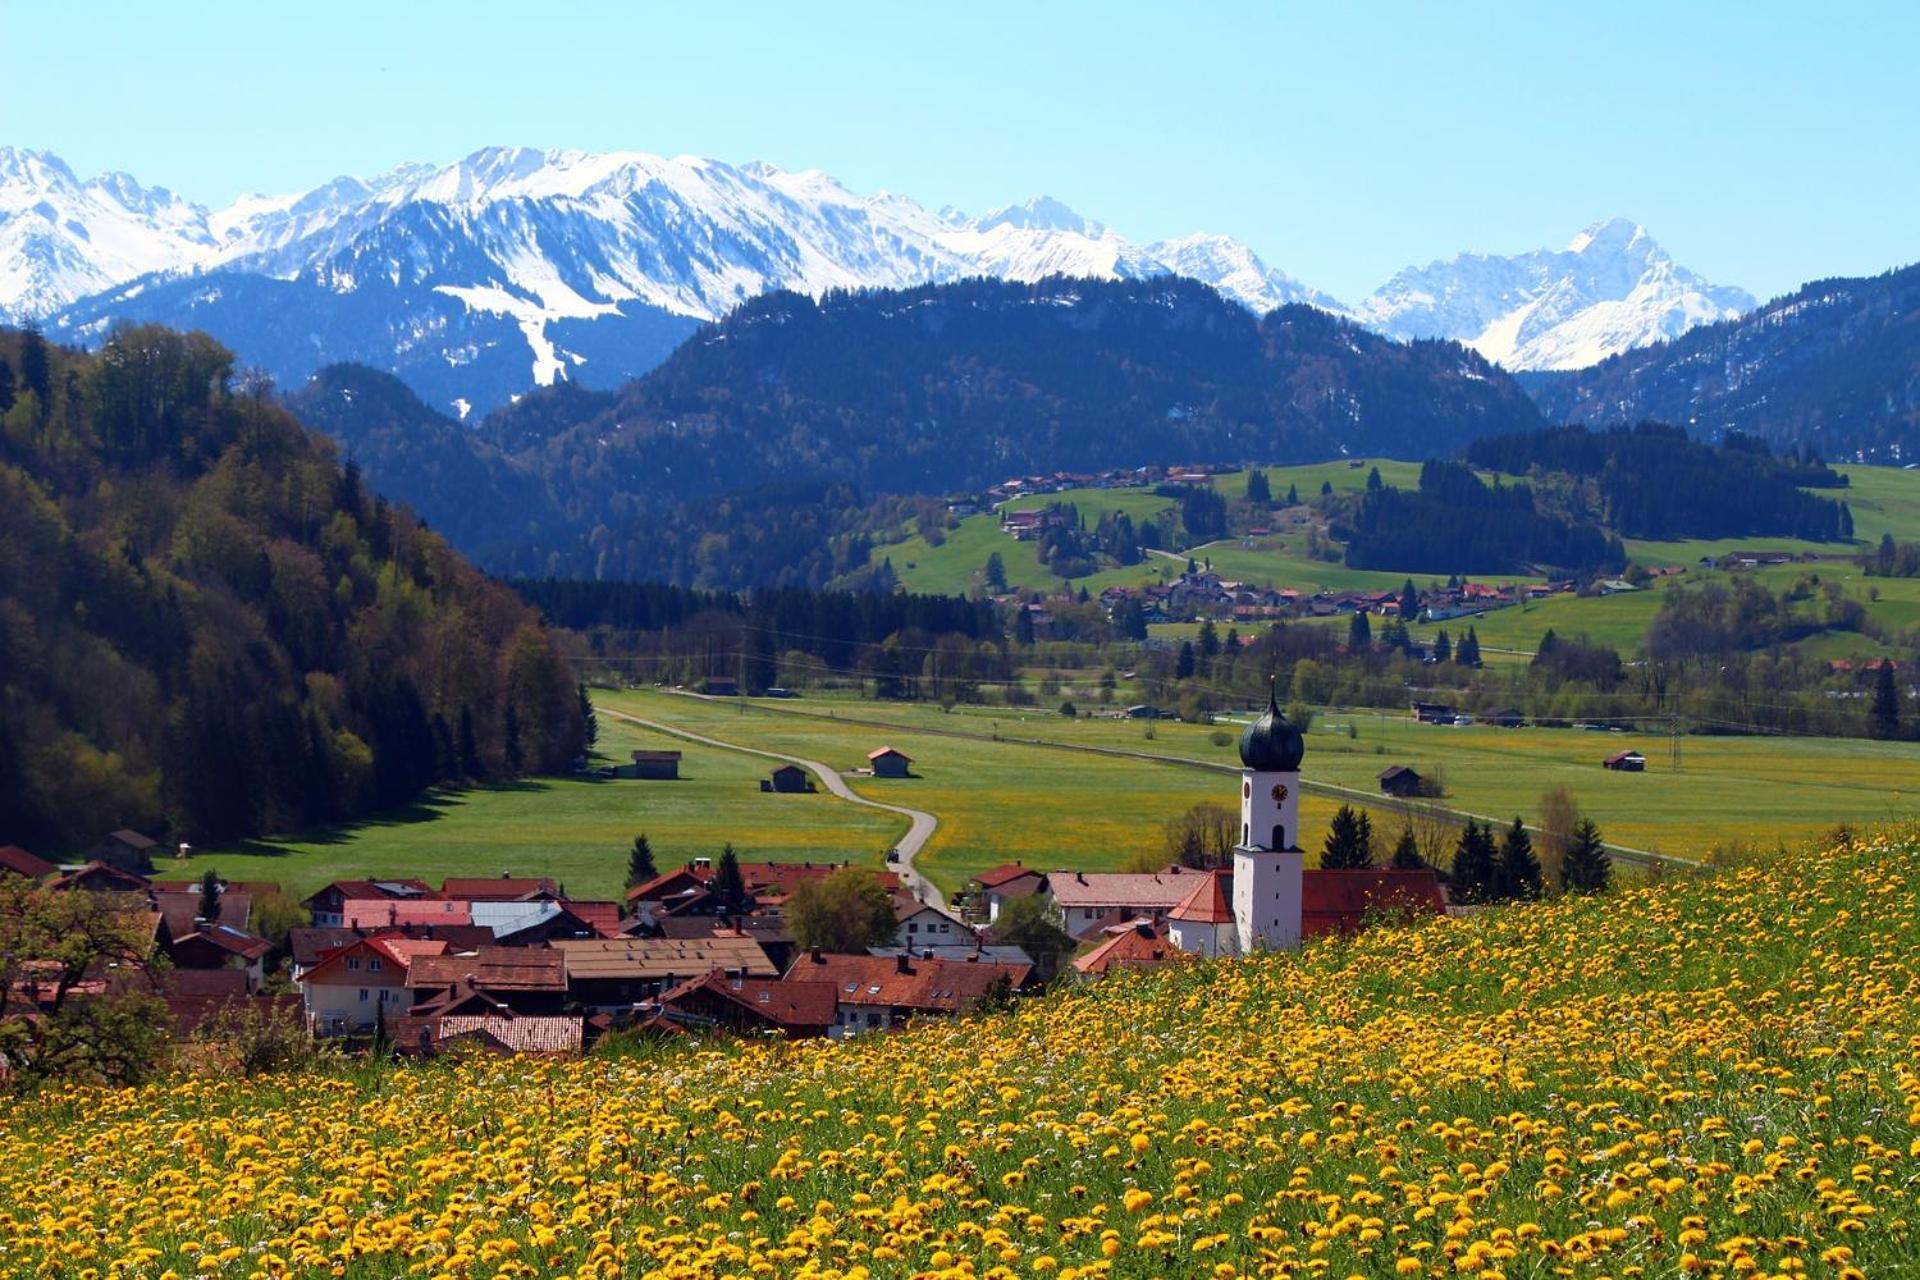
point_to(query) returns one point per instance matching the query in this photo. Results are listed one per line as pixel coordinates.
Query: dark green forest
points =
(210, 628)
(1653, 481)
(1457, 523)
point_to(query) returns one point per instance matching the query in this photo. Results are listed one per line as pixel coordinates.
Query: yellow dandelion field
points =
(1702, 1078)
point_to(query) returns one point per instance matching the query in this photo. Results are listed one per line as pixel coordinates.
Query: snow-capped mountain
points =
(513, 267)
(1611, 289)
(62, 239)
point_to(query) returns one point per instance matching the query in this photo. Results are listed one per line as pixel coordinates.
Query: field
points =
(574, 829)
(1708, 1077)
(1883, 500)
(1755, 790)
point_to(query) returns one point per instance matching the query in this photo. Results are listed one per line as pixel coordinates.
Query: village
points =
(512, 963)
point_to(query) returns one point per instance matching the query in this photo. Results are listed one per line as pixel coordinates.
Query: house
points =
(720, 687)
(1433, 713)
(719, 1000)
(1131, 944)
(521, 979)
(221, 946)
(390, 913)
(126, 851)
(1091, 899)
(889, 763)
(99, 877)
(1347, 900)
(1004, 883)
(475, 1022)
(922, 923)
(503, 888)
(18, 862)
(685, 890)
(788, 779)
(307, 946)
(326, 905)
(769, 931)
(615, 975)
(181, 907)
(1626, 762)
(876, 992)
(1400, 780)
(1504, 718)
(356, 989)
(654, 766)
(530, 924)
(1202, 924)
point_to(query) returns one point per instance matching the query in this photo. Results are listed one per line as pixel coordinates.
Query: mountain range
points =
(513, 268)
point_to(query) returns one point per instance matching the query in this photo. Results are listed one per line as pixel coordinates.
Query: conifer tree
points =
(1406, 851)
(1326, 488)
(1374, 483)
(1293, 495)
(1519, 869)
(1885, 714)
(1468, 654)
(640, 867)
(208, 908)
(1473, 864)
(1359, 632)
(1349, 843)
(1183, 665)
(1409, 602)
(996, 572)
(1258, 489)
(1442, 647)
(1586, 867)
(729, 886)
(587, 715)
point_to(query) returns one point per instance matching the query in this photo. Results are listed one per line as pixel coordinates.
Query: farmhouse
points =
(875, 992)
(327, 905)
(1626, 762)
(522, 979)
(126, 851)
(656, 766)
(921, 923)
(889, 763)
(1004, 883)
(1400, 780)
(1132, 944)
(1090, 899)
(356, 988)
(788, 779)
(797, 1010)
(616, 974)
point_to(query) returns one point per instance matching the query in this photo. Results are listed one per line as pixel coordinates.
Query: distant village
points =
(514, 963)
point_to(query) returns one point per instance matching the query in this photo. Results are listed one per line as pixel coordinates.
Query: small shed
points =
(126, 851)
(652, 765)
(1505, 718)
(719, 687)
(889, 763)
(1626, 762)
(787, 779)
(1400, 780)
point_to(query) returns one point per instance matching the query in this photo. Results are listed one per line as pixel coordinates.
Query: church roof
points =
(1207, 904)
(1270, 744)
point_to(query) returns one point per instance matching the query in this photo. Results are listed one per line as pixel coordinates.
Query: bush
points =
(1068, 710)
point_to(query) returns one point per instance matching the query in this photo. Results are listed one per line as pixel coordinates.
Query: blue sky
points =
(1763, 144)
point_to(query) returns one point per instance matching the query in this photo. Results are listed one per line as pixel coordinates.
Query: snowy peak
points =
(1235, 270)
(1042, 213)
(1612, 288)
(62, 238)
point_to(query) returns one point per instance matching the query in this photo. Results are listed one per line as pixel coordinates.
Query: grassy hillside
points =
(1709, 1077)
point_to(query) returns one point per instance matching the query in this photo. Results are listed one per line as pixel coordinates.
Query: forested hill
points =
(949, 387)
(1835, 366)
(207, 624)
(746, 459)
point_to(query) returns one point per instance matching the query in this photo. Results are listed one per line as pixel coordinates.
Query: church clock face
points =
(1279, 793)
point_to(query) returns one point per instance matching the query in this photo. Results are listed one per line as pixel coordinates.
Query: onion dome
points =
(1270, 744)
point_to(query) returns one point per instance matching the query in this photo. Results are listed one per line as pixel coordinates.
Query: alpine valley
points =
(514, 268)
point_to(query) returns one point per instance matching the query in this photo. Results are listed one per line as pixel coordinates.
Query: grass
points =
(575, 829)
(996, 801)
(1710, 1076)
(1010, 800)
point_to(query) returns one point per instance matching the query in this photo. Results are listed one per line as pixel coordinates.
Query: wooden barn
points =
(656, 766)
(787, 779)
(1400, 780)
(1626, 762)
(889, 763)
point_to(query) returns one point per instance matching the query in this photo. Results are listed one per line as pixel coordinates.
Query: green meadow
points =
(575, 829)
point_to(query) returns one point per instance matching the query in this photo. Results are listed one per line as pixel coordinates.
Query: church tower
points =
(1267, 863)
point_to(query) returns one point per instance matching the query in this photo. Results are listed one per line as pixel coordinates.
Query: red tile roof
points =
(17, 860)
(492, 969)
(906, 982)
(396, 949)
(1136, 945)
(182, 909)
(795, 1004)
(498, 888)
(377, 913)
(1094, 889)
(888, 751)
(997, 876)
(603, 917)
(1207, 904)
(1340, 901)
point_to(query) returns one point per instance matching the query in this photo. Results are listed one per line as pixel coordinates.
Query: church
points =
(1269, 900)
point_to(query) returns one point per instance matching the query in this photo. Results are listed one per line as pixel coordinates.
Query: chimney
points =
(902, 963)
(1081, 876)
(817, 959)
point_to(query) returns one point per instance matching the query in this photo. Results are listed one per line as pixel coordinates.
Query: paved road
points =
(921, 830)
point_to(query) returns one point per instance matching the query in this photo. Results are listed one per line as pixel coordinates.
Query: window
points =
(363, 995)
(353, 962)
(913, 928)
(374, 965)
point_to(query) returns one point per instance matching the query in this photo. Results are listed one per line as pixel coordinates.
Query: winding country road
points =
(922, 826)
